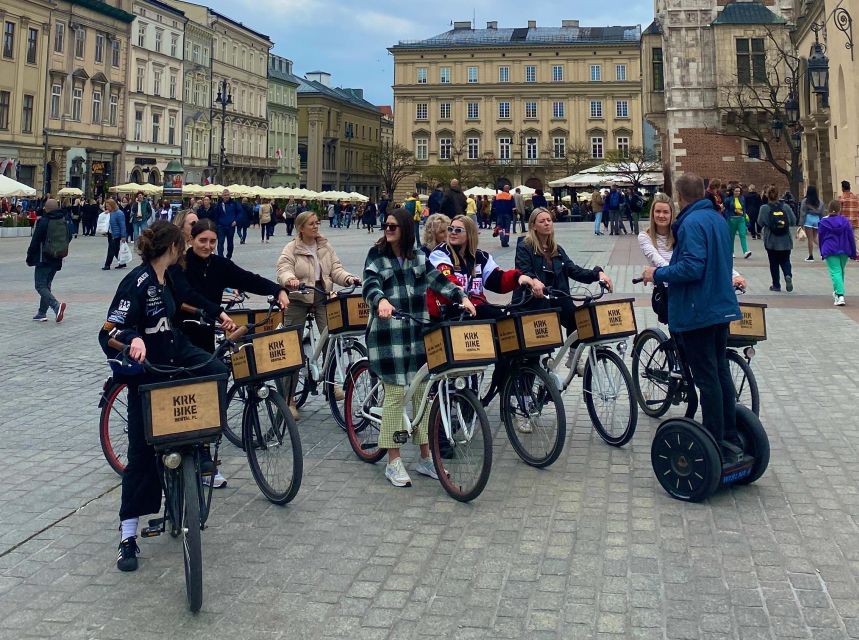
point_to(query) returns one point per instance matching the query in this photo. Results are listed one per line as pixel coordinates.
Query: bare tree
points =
(633, 164)
(576, 158)
(392, 163)
(459, 166)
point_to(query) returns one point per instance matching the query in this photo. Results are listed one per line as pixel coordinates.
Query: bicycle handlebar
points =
(554, 294)
(737, 287)
(303, 288)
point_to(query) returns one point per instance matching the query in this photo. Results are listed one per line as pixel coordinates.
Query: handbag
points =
(102, 226)
(659, 302)
(125, 255)
(800, 234)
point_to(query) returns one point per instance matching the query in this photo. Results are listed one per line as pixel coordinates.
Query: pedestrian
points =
(735, 212)
(245, 211)
(470, 207)
(48, 246)
(89, 216)
(413, 206)
(382, 207)
(714, 195)
(837, 245)
(635, 205)
(539, 199)
(503, 210)
(434, 200)
(369, 218)
(332, 214)
(753, 207)
(226, 220)
(396, 278)
(77, 217)
(207, 209)
(597, 204)
(485, 212)
(453, 202)
(850, 207)
(518, 208)
(810, 212)
(434, 233)
(116, 236)
(289, 214)
(141, 213)
(266, 221)
(612, 204)
(776, 218)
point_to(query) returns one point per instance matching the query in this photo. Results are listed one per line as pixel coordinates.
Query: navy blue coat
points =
(700, 270)
(226, 213)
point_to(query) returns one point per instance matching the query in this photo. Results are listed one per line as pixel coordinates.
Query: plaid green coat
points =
(396, 347)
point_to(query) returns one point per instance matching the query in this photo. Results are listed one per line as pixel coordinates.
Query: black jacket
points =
(453, 203)
(35, 256)
(556, 275)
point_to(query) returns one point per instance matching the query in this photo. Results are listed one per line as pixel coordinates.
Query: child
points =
(837, 244)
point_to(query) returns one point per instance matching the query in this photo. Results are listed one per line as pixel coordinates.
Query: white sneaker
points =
(747, 254)
(426, 467)
(219, 481)
(523, 425)
(339, 394)
(840, 301)
(834, 298)
(396, 473)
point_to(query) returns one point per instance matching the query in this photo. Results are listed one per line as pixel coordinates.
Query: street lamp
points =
(791, 108)
(818, 70)
(224, 99)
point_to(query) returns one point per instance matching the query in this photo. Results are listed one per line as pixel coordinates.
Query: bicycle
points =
(459, 435)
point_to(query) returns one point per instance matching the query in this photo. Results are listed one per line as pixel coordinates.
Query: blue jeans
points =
(139, 226)
(597, 221)
(229, 234)
(44, 276)
(418, 234)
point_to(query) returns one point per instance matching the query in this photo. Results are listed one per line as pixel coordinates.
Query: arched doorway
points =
(154, 177)
(136, 175)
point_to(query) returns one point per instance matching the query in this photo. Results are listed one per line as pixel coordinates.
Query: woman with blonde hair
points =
(185, 220)
(434, 233)
(657, 241)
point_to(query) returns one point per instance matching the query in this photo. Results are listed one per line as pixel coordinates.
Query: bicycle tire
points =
(113, 426)
(471, 425)
(542, 444)
(173, 496)
(363, 434)
(192, 552)
(656, 370)
(232, 428)
(620, 381)
(747, 392)
(302, 376)
(267, 434)
(331, 383)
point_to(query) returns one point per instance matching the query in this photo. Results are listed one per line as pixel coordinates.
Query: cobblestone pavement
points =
(590, 547)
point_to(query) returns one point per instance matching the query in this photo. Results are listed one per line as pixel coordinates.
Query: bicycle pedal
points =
(376, 412)
(151, 532)
(401, 437)
(156, 522)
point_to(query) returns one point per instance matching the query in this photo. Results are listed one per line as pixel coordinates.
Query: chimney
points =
(322, 77)
(569, 24)
(532, 24)
(462, 26)
(492, 25)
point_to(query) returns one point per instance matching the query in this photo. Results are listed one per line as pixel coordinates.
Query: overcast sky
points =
(349, 38)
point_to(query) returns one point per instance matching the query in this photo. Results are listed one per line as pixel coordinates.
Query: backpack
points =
(636, 203)
(779, 224)
(56, 244)
(411, 207)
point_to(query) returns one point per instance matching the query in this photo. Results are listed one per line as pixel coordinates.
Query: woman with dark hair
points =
(776, 218)
(539, 200)
(116, 234)
(369, 217)
(397, 278)
(810, 212)
(141, 316)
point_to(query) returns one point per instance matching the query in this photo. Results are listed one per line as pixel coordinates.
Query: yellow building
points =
(526, 97)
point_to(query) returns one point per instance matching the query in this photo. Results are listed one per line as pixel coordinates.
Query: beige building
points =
(23, 66)
(197, 103)
(86, 76)
(283, 121)
(387, 126)
(337, 132)
(523, 97)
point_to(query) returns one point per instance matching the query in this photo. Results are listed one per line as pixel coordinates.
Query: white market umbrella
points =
(525, 191)
(13, 189)
(68, 192)
(358, 197)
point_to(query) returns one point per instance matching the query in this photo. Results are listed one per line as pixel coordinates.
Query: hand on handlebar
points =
(293, 283)
(606, 282)
(647, 275)
(739, 283)
(537, 287)
(468, 306)
(226, 322)
(283, 299)
(354, 281)
(385, 309)
(137, 350)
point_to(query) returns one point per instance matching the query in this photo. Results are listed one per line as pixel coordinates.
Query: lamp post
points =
(224, 99)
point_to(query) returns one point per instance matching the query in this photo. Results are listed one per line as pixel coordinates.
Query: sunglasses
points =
(390, 226)
(456, 230)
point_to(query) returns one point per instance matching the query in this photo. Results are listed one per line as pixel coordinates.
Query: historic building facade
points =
(524, 97)
(283, 121)
(197, 103)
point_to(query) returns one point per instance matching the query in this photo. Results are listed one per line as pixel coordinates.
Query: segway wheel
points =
(686, 460)
(755, 442)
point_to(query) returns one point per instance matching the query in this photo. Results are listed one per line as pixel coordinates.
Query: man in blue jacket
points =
(702, 304)
(226, 217)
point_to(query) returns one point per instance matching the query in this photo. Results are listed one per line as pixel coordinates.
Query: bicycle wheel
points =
(745, 383)
(237, 397)
(335, 376)
(273, 447)
(652, 363)
(113, 426)
(609, 399)
(302, 376)
(534, 415)
(363, 391)
(173, 497)
(464, 461)
(192, 552)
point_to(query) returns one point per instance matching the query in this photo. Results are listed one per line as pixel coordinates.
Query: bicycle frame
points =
(333, 349)
(574, 357)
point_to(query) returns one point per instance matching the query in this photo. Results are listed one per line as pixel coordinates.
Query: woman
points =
(539, 200)
(369, 218)
(434, 233)
(116, 236)
(309, 259)
(185, 220)
(266, 221)
(542, 259)
(837, 246)
(395, 278)
(597, 203)
(753, 206)
(810, 212)
(77, 215)
(735, 212)
(125, 206)
(485, 211)
(714, 195)
(164, 211)
(140, 316)
(776, 218)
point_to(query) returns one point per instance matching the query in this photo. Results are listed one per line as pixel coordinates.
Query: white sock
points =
(129, 528)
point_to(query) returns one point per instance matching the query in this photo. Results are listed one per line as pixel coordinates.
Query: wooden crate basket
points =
(450, 345)
(252, 316)
(184, 411)
(530, 332)
(606, 320)
(347, 313)
(268, 355)
(751, 328)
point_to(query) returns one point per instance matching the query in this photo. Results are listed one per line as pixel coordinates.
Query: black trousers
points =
(704, 350)
(112, 250)
(779, 260)
(290, 225)
(141, 485)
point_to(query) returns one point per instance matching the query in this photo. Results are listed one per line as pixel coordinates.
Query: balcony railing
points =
(244, 162)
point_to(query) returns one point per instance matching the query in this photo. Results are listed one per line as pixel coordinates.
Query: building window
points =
(623, 146)
(141, 34)
(114, 109)
(159, 36)
(596, 108)
(444, 75)
(444, 111)
(96, 106)
(156, 127)
(141, 77)
(559, 148)
(530, 73)
(444, 147)
(621, 109)
(5, 98)
(751, 61)
(557, 73)
(173, 85)
(80, 42)
(597, 147)
(138, 125)
(421, 149)
(8, 43)
(99, 48)
(195, 54)
(157, 82)
(558, 110)
(596, 73)
(421, 111)
(59, 37)
(620, 72)
(188, 90)
(472, 111)
(473, 146)
(656, 66)
(503, 74)
(472, 75)
(171, 130)
(77, 103)
(27, 115)
(174, 44)
(32, 45)
(187, 151)
(531, 110)
(503, 110)
(753, 150)
(114, 53)
(531, 148)
(422, 75)
(56, 94)
(505, 144)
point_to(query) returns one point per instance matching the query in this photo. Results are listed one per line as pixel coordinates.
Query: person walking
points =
(453, 202)
(116, 236)
(753, 207)
(518, 207)
(539, 200)
(811, 210)
(48, 246)
(141, 213)
(207, 210)
(226, 219)
(735, 211)
(850, 207)
(470, 207)
(413, 206)
(837, 245)
(597, 204)
(503, 209)
(245, 213)
(289, 215)
(776, 218)
(266, 221)
(369, 217)
(714, 195)
(382, 206)
(434, 201)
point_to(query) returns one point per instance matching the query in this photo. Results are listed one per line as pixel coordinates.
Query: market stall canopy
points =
(480, 191)
(192, 190)
(525, 191)
(357, 197)
(607, 173)
(67, 192)
(13, 189)
(133, 187)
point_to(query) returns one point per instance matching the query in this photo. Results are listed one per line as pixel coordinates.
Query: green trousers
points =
(837, 264)
(738, 225)
(392, 416)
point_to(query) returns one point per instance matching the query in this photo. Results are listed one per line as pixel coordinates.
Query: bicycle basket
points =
(607, 319)
(268, 355)
(530, 332)
(252, 316)
(347, 313)
(450, 345)
(751, 328)
(184, 411)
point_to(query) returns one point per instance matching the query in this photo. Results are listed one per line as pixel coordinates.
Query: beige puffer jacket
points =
(296, 261)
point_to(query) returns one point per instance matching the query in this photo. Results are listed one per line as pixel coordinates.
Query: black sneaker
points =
(126, 559)
(207, 465)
